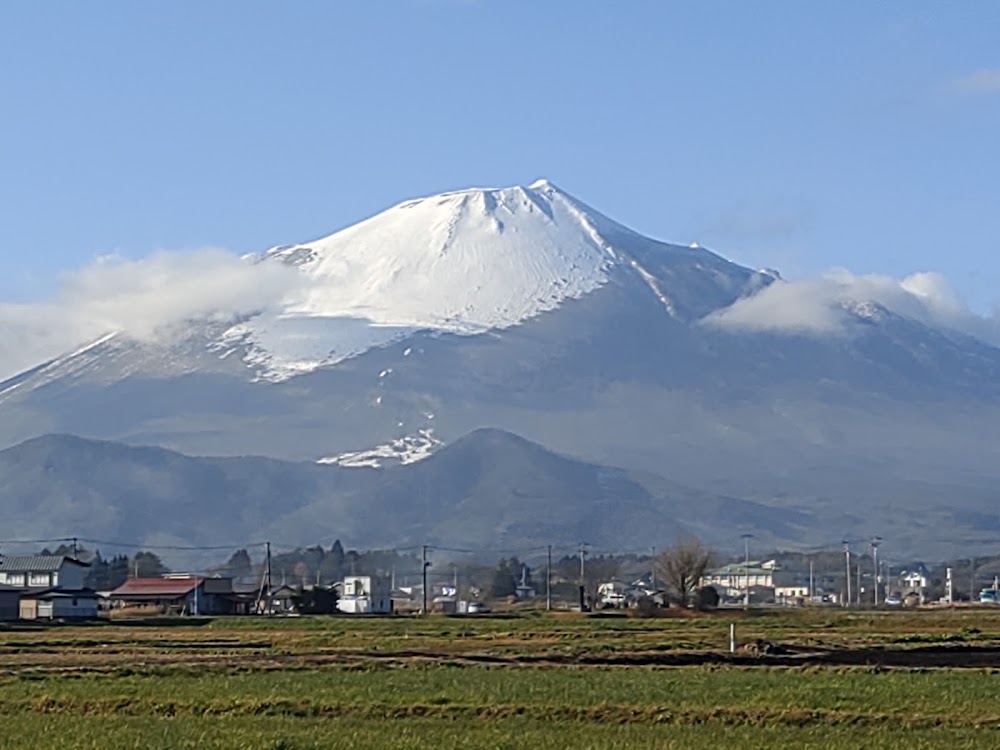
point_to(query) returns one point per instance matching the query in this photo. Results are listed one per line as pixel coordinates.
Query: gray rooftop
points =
(35, 563)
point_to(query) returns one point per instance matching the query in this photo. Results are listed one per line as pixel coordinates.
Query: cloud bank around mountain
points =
(159, 296)
(827, 306)
(154, 297)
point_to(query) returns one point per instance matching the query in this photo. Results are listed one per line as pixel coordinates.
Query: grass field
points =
(876, 680)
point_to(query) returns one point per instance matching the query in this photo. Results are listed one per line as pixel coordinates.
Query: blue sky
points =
(803, 136)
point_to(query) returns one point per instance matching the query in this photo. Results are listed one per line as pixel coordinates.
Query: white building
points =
(733, 579)
(42, 572)
(364, 595)
(791, 591)
(612, 594)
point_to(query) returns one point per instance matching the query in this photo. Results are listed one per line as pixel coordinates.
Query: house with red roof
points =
(178, 595)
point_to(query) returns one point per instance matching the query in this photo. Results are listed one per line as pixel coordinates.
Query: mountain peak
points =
(542, 184)
(466, 262)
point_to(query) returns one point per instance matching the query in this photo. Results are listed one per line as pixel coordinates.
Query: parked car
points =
(989, 596)
(893, 601)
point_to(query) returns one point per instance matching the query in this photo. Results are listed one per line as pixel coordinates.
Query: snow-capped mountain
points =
(467, 262)
(525, 309)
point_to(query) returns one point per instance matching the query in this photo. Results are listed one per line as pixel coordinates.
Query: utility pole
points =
(267, 574)
(74, 548)
(847, 555)
(652, 568)
(583, 585)
(857, 596)
(746, 569)
(811, 590)
(972, 579)
(423, 568)
(548, 579)
(876, 541)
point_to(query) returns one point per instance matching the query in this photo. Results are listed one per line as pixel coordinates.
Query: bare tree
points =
(681, 567)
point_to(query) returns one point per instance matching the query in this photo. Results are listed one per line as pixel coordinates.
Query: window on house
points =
(15, 579)
(38, 579)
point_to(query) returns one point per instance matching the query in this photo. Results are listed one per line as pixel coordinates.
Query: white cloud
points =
(824, 306)
(784, 307)
(983, 81)
(145, 298)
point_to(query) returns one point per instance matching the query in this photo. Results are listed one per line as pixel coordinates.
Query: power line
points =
(172, 547)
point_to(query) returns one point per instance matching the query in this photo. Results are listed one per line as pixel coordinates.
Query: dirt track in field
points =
(950, 656)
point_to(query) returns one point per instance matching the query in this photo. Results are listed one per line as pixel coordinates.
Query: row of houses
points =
(768, 582)
(52, 587)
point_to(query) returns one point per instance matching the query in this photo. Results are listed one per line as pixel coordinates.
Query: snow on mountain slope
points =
(463, 262)
(404, 450)
(466, 262)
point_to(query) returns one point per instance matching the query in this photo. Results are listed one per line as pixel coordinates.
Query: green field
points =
(834, 679)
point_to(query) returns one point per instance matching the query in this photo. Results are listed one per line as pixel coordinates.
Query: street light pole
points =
(746, 569)
(548, 578)
(423, 568)
(876, 541)
(652, 569)
(847, 555)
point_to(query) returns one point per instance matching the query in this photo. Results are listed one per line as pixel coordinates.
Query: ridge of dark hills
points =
(488, 489)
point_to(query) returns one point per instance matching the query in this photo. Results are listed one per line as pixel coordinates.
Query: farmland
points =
(824, 678)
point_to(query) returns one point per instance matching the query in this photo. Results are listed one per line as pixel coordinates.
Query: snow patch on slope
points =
(404, 450)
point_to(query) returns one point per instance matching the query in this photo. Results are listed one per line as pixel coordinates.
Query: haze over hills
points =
(868, 410)
(489, 489)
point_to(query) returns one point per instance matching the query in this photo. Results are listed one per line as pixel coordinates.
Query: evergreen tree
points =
(118, 571)
(239, 565)
(99, 575)
(337, 554)
(504, 579)
(148, 565)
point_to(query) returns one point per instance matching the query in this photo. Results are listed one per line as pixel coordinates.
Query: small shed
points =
(59, 604)
(10, 599)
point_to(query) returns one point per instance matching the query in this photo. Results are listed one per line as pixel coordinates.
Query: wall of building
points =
(9, 601)
(28, 609)
(82, 607)
(70, 576)
(59, 608)
(365, 595)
